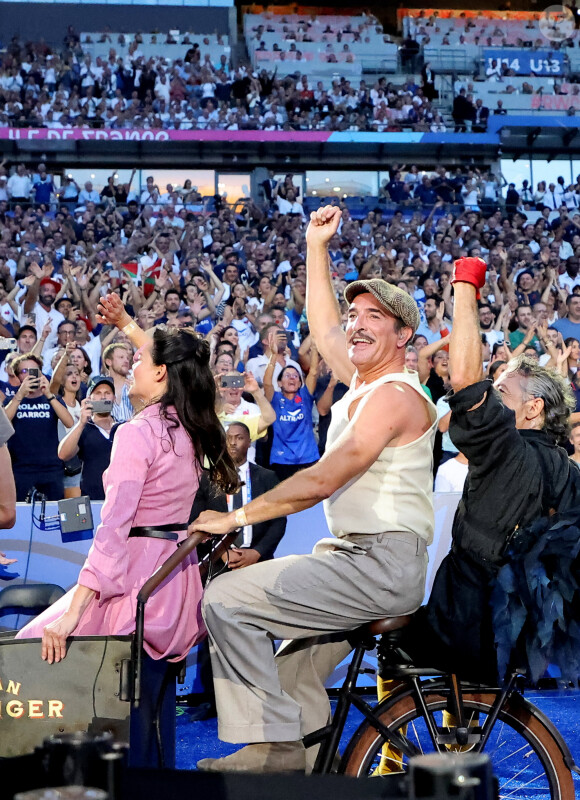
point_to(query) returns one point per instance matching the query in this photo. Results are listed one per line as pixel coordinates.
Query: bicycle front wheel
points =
(525, 756)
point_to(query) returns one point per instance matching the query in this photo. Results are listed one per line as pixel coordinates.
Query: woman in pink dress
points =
(151, 482)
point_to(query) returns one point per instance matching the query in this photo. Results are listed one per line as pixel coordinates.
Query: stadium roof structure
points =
(507, 135)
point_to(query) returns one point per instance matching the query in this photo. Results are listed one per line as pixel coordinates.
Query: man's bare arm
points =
(322, 308)
(369, 432)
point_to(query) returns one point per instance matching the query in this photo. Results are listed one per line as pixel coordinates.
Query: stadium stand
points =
(318, 72)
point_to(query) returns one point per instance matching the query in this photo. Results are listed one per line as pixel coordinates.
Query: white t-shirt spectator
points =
(6, 314)
(493, 73)
(493, 337)
(286, 207)
(88, 197)
(246, 333)
(470, 196)
(208, 90)
(446, 444)
(451, 476)
(567, 282)
(257, 366)
(42, 317)
(19, 185)
(93, 349)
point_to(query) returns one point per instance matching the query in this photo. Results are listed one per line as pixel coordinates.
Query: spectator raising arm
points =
(547, 345)
(312, 376)
(525, 341)
(31, 296)
(269, 373)
(69, 446)
(267, 413)
(305, 352)
(11, 297)
(212, 300)
(427, 352)
(58, 375)
(324, 404)
(59, 408)
(39, 346)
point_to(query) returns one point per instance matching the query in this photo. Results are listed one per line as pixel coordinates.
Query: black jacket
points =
(266, 536)
(462, 108)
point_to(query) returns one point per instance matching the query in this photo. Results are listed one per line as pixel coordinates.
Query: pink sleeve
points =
(106, 567)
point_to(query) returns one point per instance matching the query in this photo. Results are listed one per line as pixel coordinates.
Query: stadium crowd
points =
(42, 88)
(132, 85)
(239, 279)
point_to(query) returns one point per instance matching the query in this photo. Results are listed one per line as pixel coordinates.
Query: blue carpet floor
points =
(196, 740)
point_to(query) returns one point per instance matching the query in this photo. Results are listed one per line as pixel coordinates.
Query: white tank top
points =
(396, 492)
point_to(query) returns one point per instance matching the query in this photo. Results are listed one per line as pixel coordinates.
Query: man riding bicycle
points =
(375, 479)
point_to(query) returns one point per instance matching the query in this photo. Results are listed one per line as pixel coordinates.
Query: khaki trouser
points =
(311, 600)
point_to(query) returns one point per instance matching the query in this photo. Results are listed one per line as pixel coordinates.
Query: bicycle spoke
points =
(519, 788)
(391, 760)
(420, 746)
(515, 753)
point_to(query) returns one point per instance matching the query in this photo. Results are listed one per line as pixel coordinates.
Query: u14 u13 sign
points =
(526, 62)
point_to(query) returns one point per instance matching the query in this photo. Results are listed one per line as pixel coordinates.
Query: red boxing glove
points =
(470, 270)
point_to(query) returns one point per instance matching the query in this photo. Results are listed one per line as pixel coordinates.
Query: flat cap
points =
(395, 300)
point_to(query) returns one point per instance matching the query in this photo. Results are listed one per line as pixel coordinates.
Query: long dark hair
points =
(191, 392)
(87, 369)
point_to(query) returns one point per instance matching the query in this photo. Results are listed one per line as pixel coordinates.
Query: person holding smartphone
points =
(35, 412)
(281, 358)
(231, 406)
(91, 439)
(66, 383)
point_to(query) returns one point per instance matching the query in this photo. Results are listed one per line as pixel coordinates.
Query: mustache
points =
(363, 336)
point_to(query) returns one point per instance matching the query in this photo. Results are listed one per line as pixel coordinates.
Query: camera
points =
(232, 382)
(102, 406)
(8, 344)
(34, 372)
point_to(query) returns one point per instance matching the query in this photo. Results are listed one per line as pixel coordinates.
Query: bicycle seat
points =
(388, 624)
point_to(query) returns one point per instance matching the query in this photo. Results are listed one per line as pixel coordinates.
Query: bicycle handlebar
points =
(153, 582)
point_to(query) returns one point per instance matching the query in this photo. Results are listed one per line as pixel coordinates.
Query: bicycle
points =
(426, 711)
(429, 711)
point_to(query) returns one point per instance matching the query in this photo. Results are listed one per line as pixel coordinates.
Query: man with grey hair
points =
(375, 480)
(510, 434)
